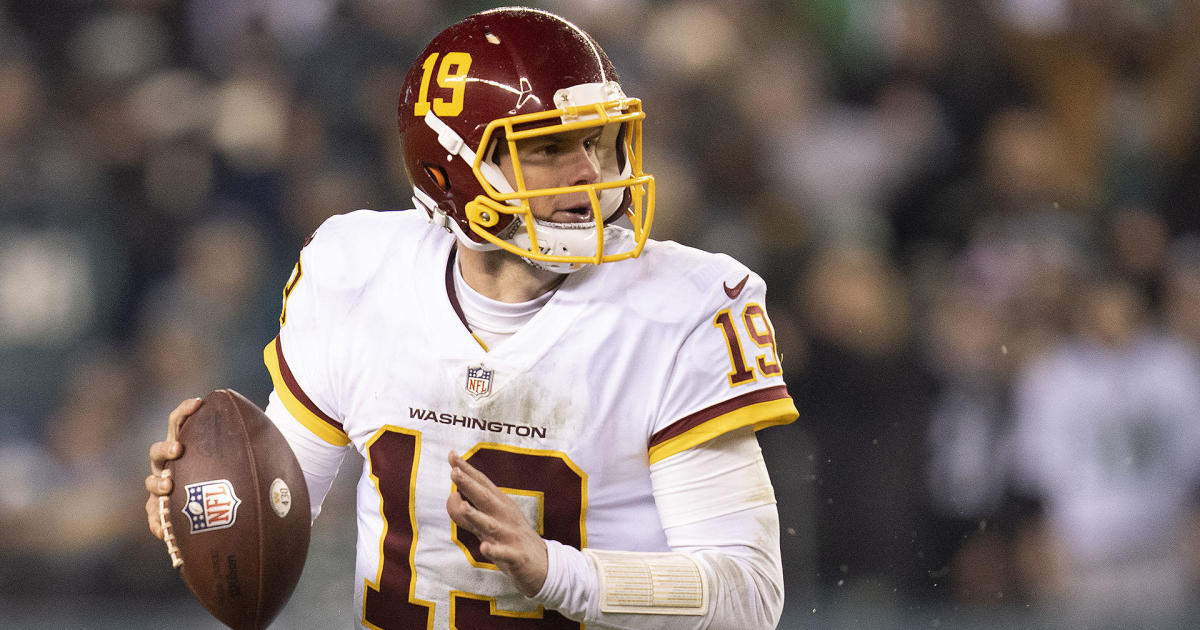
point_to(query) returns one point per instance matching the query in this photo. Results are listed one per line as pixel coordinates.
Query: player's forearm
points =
(746, 593)
(735, 586)
(717, 508)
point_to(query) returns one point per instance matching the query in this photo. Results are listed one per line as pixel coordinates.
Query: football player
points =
(556, 414)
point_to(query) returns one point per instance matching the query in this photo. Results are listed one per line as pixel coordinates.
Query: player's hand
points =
(158, 482)
(506, 537)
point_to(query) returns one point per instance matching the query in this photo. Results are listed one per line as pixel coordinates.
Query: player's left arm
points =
(717, 506)
(714, 496)
(711, 486)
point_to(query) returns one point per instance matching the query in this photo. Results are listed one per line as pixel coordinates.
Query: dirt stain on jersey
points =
(526, 400)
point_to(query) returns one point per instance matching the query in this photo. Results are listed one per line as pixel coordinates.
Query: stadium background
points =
(939, 194)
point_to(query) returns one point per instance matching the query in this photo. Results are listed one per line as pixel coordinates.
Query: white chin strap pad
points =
(561, 239)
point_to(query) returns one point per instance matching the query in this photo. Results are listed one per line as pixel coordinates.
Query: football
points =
(237, 521)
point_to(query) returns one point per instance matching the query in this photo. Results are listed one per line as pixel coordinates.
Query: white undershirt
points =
(491, 320)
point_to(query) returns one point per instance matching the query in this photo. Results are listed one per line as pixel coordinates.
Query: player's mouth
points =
(574, 214)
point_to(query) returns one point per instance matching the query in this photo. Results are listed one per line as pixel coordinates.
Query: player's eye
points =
(592, 140)
(540, 149)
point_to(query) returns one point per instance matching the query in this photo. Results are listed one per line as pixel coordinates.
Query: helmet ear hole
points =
(438, 175)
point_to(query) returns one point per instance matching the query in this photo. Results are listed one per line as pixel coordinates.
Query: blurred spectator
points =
(1117, 78)
(66, 504)
(61, 265)
(49, 300)
(967, 445)
(205, 325)
(1182, 302)
(1179, 201)
(1107, 438)
(865, 401)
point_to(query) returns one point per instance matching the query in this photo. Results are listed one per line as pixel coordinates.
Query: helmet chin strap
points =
(561, 239)
(436, 216)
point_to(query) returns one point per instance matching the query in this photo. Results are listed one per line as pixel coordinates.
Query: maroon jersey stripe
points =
(685, 424)
(290, 380)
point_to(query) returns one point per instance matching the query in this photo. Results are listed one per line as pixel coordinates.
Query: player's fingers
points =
(160, 452)
(468, 517)
(462, 512)
(484, 496)
(159, 484)
(497, 554)
(456, 507)
(500, 555)
(178, 415)
(476, 486)
(470, 471)
(152, 517)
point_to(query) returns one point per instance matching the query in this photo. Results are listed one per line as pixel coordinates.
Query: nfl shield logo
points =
(479, 381)
(211, 505)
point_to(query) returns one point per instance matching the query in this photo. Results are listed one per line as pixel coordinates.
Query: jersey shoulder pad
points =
(669, 278)
(348, 249)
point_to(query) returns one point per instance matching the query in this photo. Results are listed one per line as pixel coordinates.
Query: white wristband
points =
(650, 583)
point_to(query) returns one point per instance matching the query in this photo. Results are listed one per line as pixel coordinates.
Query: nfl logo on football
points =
(211, 505)
(479, 381)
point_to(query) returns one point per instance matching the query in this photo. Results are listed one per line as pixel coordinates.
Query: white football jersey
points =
(627, 364)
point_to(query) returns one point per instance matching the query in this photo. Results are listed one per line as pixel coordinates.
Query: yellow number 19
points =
(452, 75)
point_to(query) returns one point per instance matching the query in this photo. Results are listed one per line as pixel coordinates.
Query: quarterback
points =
(556, 414)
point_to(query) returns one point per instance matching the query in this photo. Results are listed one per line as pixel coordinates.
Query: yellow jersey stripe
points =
(760, 415)
(293, 400)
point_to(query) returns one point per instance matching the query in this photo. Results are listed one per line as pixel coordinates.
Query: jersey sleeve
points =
(727, 373)
(302, 359)
(319, 460)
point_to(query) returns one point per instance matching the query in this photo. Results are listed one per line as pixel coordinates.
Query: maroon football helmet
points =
(507, 75)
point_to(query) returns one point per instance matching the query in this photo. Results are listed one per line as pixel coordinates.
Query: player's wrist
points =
(570, 581)
(545, 593)
(532, 578)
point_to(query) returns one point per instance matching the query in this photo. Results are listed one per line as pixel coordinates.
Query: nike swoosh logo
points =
(735, 290)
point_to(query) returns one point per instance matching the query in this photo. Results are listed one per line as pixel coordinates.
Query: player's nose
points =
(583, 166)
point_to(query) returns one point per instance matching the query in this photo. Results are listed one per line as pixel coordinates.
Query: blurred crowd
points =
(979, 222)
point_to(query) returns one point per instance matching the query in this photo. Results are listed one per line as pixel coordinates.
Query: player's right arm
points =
(319, 459)
(307, 356)
(311, 309)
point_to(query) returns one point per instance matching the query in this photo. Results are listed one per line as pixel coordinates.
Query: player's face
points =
(570, 158)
